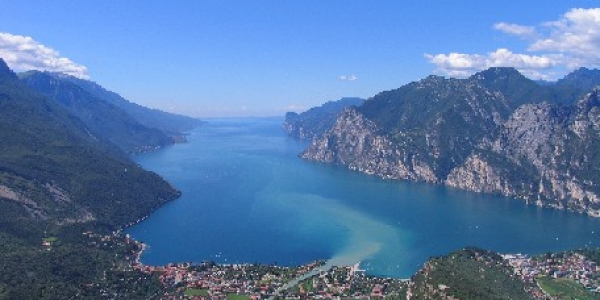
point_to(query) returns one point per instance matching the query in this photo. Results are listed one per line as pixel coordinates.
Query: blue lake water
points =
(248, 198)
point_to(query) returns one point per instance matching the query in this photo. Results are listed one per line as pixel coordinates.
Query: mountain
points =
(495, 132)
(171, 124)
(521, 90)
(52, 167)
(544, 154)
(583, 78)
(415, 132)
(103, 120)
(57, 180)
(317, 120)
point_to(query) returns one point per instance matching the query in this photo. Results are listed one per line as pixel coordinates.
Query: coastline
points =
(323, 279)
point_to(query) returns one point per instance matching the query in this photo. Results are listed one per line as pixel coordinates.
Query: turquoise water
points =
(248, 198)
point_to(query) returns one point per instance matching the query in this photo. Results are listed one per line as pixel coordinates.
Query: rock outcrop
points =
(354, 141)
(543, 154)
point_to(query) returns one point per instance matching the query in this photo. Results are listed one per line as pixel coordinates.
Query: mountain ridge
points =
(444, 131)
(170, 123)
(57, 181)
(47, 151)
(101, 118)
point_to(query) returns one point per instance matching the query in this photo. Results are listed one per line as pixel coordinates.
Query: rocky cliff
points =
(544, 154)
(416, 132)
(474, 135)
(355, 141)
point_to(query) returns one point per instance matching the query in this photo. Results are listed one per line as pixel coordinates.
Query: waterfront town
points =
(569, 266)
(252, 281)
(318, 280)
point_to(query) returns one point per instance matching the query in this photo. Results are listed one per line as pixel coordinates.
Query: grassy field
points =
(191, 292)
(566, 289)
(308, 286)
(237, 297)
(196, 292)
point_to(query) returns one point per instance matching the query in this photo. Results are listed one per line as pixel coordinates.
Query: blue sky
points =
(261, 58)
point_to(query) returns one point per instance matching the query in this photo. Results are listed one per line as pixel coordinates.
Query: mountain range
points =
(58, 161)
(171, 124)
(64, 170)
(107, 115)
(68, 185)
(495, 132)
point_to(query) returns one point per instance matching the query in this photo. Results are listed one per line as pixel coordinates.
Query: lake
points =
(248, 198)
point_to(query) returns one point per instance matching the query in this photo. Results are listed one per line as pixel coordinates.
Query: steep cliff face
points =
(416, 132)
(486, 173)
(436, 119)
(543, 154)
(476, 134)
(355, 142)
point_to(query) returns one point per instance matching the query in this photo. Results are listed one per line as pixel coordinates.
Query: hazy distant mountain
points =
(172, 124)
(315, 121)
(544, 82)
(103, 120)
(495, 132)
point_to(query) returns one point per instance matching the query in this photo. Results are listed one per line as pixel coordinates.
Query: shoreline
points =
(267, 281)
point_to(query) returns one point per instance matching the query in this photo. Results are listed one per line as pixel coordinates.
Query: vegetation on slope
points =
(58, 180)
(172, 124)
(102, 119)
(470, 273)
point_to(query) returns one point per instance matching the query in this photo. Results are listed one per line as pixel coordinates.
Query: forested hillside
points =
(171, 124)
(102, 119)
(57, 180)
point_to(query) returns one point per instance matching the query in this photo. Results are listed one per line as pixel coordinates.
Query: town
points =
(566, 268)
(254, 281)
(546, 275)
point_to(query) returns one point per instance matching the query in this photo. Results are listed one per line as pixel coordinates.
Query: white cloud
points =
(348, 77)
(22, 53)
(576, 33)
(515, 29)
(462, 65)
(571, 42)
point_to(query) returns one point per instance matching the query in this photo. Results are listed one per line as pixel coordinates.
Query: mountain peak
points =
(497, 73)
(583, 78)
(434, 78)
(5, 71)
(43, 74)
(582, 72)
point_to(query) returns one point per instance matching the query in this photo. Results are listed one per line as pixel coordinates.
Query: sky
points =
(227, 58)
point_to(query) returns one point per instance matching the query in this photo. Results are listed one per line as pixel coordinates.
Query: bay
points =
(248, 198)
